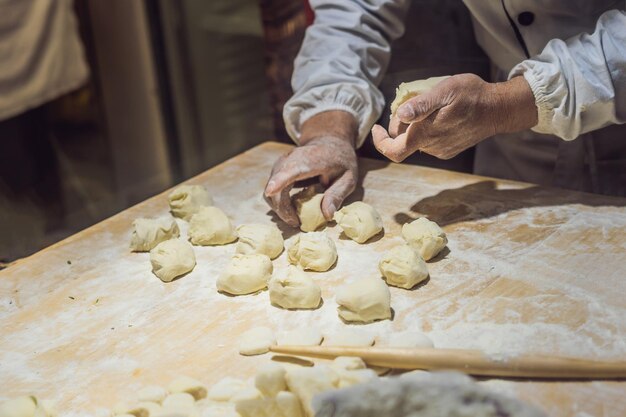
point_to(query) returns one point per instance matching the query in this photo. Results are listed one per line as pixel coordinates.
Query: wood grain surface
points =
(85, 323)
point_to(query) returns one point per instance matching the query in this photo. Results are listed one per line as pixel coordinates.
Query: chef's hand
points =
(456, 114)
(326, 150)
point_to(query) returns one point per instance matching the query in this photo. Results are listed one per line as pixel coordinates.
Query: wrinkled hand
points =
(331, 157)
(456, 114)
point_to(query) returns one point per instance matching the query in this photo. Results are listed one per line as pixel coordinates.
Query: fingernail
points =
(270, 185)
(332, 208)
(406, 113)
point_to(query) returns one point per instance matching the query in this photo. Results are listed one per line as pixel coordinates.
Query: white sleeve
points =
(580, 84)
(343, 58)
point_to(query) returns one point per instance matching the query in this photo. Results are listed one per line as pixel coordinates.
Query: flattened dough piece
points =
(365, 300)
(256, 341)
(359, 221)
(308, 204)
(245, 274)
(349, 337)
(302, 336)
(186, 200)
(294, 290)
(210, 226)
(403, 267)
(172, 258)
(265, 239)
(313, 251)
(406, 91)
(147, 233)
(426, 237)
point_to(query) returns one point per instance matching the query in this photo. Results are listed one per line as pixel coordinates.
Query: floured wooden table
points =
(85, 323)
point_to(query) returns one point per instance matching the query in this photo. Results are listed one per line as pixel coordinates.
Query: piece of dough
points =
(303, 336)
(359, 221)
(425, 237)
(172, 258)
(152, 393)
(245, 274)
(308, 204)
(348, 378)
(288, 404)
(348, 363)
(285, 404)
(270, 379)
(260, 238)
(349, 337)
(210, 226)
(189, 385)
(306, 383)
(135, 410)
(294, 290)
(403, 267)
(24, 406)
(406, 91)
(313, 251)
(152, 407)
(256, 341)
(225, 389)
(410, 339)
(186, 200)
(364, 301)
(147, 233)
(179, 401)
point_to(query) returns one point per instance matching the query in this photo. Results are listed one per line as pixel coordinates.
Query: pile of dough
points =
(359, 221)
(186, 200)
(303, 336)
(172, 258)
(406, 91)
(349, 337)
(425, 237)
(260, 238)
(210, 226)
(245, 274)
(25, 406)
(294, 290)
(147, 233)
(313, 251)
(308, 204)
(403, 267)
(256, 341)
(410, 339)
(364, 301)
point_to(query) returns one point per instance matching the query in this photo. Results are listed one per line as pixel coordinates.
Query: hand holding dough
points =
(425, 237)
(210, 226)
(308, 204)
(172, 258)
(260, 238)
(406, 91)
(186, 200)
(294, 289)
(313, 251)
(245, 274)
(403, 267)
(364, 301)
(359, 221)
(147, 233)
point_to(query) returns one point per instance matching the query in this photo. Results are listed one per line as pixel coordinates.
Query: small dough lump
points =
(260, 238)
(365, 300)
(210, 226)
(256, 341)
(294, 289)
(270, 379)
(147, 233)
(406, 91)
(403, 267)
(189, 385)
(313, 251)
(425, 237)
(172, 258)
(308, 204)
(245, 274)
(359, 221)
(186, 200)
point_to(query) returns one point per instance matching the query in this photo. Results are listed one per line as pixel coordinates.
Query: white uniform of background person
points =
(571, 52)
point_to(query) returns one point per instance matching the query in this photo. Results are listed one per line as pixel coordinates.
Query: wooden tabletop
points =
(528, 270)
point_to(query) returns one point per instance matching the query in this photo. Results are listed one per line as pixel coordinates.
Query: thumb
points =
(336, 193)
(420, 107)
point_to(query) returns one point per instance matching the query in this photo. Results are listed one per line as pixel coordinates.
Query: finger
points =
(393, 148)
(337, 192)
(283, 206)
(291, 171)
(396, 127)
(420, 107)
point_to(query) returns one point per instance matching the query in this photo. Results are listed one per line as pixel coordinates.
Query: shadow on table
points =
(483, 199)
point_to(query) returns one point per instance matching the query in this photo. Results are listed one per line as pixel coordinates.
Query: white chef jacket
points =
(573, 56)
(41, 56)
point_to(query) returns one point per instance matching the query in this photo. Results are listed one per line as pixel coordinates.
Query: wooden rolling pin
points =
(471, 362)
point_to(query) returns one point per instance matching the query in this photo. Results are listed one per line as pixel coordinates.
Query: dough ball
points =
(313, 251)
(410, 339)
(270, 379)
(306, 383)
(348, 378)
(246, 394)
(256, 341)
(288, 404)
(406, 91)
(364, 301)
(190, 386)
(210, 226)
(260, 238)
(308, 204)
(225, 389)
(135, 410)
(172, 258)
(294, 289)
(179, 401)
(425, 237)
(152, 393)
(349, 337)
(245, 274)
(403, 267)
(186, 200)
(303, 336)
(152, 407)
(147, 233)
(285, 404)
(24, 406)
(359, 221)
